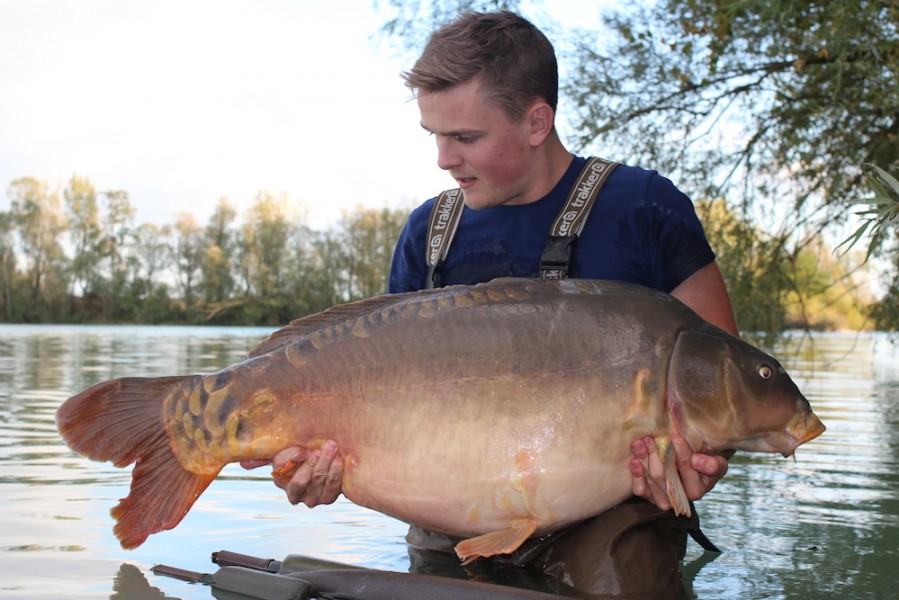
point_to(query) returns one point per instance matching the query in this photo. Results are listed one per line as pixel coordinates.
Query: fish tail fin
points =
(121, 421)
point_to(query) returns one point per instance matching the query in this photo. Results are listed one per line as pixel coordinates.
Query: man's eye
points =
(465, 139)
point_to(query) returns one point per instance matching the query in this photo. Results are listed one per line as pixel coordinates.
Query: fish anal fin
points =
(162, 492)
(496, 542)
(677, 495)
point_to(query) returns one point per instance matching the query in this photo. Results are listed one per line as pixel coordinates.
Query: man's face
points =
(487, 154)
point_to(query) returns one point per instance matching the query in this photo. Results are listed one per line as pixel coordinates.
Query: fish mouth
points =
(803, 428)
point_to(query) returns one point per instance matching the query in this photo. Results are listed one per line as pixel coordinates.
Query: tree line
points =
(775, 108)
(79, 257)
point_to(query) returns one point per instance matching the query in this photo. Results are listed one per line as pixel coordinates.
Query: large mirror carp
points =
(493, 412)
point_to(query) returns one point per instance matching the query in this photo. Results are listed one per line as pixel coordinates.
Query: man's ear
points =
(541, 119)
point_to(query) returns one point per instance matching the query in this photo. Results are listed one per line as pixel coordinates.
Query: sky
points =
(183, 102)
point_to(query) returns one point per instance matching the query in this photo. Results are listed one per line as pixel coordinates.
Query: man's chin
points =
(475, 200)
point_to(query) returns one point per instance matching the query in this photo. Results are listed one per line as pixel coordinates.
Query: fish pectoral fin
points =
(496, 542)
(677, 495)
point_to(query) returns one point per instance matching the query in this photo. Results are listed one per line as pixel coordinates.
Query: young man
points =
(486, 87)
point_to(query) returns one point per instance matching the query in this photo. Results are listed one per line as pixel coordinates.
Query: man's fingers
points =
(312, 477)
(285, 463)
(333, 484)
(638, 484)
(682, 450)
(648, 472)
(317, 490)
(710, 466)
(698, 472)
(297, 487)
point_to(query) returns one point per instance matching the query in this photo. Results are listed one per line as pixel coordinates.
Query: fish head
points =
(724, 393)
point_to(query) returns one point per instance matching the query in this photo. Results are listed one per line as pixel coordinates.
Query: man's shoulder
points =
(421, 213)
(633, 175)
(629, 183)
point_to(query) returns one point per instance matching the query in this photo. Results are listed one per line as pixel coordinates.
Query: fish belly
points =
(469, 472)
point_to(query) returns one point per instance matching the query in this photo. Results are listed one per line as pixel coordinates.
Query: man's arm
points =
(704, 291)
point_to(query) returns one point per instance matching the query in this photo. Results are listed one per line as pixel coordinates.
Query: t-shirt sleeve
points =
(681, 246)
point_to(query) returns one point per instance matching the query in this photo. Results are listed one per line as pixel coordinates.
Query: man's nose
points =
(447, 156)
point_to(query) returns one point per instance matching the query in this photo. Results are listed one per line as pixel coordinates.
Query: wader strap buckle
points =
(556, 258)
(555, 262)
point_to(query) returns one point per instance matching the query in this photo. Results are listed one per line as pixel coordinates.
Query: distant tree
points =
(263, 250)
(328, 252)
(188, 257)
(773, 289)
(118, 232)
(218, 259)
(266, 230)
(368, 239)
(885, 311)
(828, 292)
(152, 252)
(37, 213)
(309, 284)
(7, 265)
(85, 233)
(751, 263)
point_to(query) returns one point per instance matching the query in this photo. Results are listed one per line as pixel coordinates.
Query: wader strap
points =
(442, 226)
(555, 262)
(700, 538)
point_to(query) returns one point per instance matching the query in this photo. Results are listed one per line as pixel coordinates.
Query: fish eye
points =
(766, 372)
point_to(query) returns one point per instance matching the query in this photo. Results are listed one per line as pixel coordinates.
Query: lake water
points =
(823, 526)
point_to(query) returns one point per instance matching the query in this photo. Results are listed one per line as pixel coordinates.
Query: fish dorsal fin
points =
(422, 302)
(335, 315)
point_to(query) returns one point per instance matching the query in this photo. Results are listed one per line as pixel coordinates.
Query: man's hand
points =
(312, 477)
(698, 472)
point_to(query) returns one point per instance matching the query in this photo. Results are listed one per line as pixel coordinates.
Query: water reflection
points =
(131, 584)
(823, 526)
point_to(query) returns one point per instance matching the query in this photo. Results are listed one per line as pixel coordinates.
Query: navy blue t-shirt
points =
(642, 229)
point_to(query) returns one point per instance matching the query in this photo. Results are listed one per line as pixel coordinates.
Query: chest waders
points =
(555, 261)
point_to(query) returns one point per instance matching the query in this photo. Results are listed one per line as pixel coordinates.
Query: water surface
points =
(823, 526)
